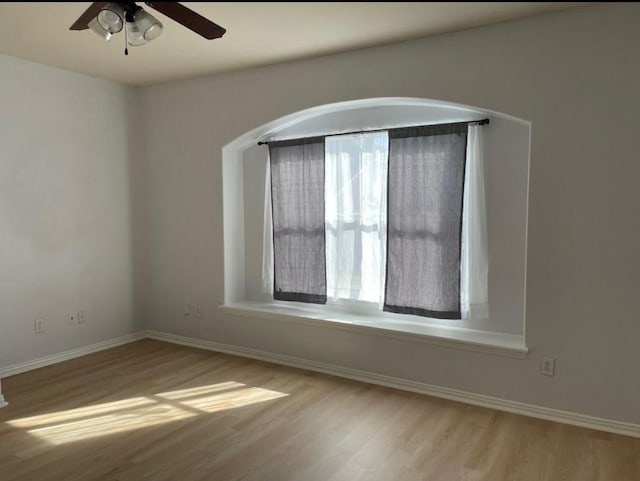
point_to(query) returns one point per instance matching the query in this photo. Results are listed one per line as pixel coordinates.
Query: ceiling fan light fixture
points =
(149, 26)
(134, 35)
(111, 17)
(142, 29)
(97, 28)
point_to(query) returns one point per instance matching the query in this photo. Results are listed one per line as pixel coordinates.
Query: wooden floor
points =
(156, 411)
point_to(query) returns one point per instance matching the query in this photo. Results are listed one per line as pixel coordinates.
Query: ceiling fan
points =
(140, 27)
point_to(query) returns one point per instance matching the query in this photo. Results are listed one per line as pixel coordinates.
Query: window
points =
(332, 241)
(356, 216)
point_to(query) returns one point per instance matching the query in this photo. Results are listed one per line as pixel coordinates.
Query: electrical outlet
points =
(547, 366)
(187, 309)
(82, 317)
(72, 318)
(198, 312)
(38, 326)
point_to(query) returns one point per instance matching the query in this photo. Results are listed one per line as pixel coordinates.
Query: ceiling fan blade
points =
(89, 14)
(189, 19)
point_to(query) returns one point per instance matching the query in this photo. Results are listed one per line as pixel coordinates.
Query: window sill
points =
(501, 344)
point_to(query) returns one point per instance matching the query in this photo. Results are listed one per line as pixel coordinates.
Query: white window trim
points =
(406, 327)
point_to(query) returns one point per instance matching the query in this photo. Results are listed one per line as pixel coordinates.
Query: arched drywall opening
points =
(507, 146)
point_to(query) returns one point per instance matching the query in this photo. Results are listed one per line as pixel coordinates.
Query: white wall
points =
(506, 153)
(573, 74)
(65, 220)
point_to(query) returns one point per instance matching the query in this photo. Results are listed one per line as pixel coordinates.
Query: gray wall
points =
(65, 223)
(573, 74)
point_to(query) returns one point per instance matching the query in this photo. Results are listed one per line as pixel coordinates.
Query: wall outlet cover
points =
(39, 326)
(547, 366)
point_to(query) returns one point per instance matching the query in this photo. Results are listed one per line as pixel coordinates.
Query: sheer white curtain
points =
(267, 236)
(355, 214)
(474, 265)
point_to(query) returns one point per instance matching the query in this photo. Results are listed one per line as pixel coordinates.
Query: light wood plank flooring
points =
(156, 411)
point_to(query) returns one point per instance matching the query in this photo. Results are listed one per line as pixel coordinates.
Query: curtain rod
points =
(470, 122)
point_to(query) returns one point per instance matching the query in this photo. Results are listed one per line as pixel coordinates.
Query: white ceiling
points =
(257, 34)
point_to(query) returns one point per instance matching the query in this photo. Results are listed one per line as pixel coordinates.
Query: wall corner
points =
(3, 403)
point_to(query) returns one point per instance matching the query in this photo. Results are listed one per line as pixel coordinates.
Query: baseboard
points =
(66, 355)
(541, 412)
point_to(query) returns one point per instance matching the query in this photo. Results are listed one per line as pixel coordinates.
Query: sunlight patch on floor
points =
(128, 420)
(75, 414)
(140, 412)
(230, 400)
(195, 391)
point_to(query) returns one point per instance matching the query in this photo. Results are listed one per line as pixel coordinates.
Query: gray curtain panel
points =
(297, 193)
(424, 225)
